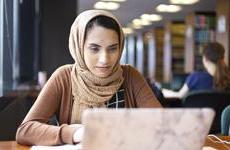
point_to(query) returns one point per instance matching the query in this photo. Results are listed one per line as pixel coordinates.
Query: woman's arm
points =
(180, 94)
(34, 129)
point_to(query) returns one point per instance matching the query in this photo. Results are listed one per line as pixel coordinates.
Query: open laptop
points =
(146, 129)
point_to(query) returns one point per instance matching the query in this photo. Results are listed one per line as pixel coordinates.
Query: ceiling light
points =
(127, 30)
(137, 27)
(184, 2)
(145, 22)
(112, 6)
(154, 17)
(140, 22)
(106, 5)
(137, 22)
(132, 26)
(151, 17)
(114, 0)
(168, 8)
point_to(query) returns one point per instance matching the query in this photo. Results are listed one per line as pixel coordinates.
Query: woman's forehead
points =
(100, 34)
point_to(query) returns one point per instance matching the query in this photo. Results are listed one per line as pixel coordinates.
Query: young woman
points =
(217, 76)
(95, 80)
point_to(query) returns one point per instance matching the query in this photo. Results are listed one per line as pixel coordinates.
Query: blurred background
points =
(164, 38)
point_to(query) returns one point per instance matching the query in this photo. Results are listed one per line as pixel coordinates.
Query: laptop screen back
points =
(145, 129)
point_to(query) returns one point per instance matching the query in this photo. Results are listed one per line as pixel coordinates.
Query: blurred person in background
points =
(216, 76)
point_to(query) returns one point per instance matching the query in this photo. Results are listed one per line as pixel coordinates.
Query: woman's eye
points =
(113, 49)
(94, 49)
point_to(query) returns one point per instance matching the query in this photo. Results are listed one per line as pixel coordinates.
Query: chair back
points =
(12, 114)
(225, 121)
(212, 99)
(5, 101)
(13, 110)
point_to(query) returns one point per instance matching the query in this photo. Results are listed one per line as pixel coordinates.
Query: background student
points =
(216, 76)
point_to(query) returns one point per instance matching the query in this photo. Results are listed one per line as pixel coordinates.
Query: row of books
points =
(207, 21)
(204, 36)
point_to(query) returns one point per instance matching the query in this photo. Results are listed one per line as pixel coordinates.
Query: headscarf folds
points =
(89, 90)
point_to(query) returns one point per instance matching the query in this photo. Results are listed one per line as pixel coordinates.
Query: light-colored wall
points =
(167, 72)
(189, 44)
(223, 36)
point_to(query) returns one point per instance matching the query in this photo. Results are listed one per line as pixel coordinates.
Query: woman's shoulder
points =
(200, 74)
(128, 69)
(199, 80)
(62, 72)
(131, 74)
(63, 69)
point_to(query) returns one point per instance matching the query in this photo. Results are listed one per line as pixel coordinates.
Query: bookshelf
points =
(200, 29)
(159, 42)
(204, 32)
(174, 49)
(177, 44)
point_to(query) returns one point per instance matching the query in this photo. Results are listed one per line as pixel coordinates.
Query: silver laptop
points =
(146, 129)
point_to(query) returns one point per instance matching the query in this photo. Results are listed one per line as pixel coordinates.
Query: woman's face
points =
(101, 50)
(209, 66)
(204, 60)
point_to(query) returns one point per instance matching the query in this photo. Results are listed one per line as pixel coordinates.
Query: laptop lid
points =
(146, 129)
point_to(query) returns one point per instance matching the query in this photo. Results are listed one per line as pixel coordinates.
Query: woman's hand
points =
(79, 133)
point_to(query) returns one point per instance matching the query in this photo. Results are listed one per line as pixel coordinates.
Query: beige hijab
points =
(89, 90)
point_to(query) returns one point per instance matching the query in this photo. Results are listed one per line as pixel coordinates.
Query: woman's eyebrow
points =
(93, 44)
(113, 45)
(96, 45)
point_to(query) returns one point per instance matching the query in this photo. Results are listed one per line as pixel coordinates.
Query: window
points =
(1, 47)
(6, 47)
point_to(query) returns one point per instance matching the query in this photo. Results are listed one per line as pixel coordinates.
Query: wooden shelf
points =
(202, 27)
(159, 40)
(177, 44)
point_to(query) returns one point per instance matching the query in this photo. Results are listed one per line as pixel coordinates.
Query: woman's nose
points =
(104, 57)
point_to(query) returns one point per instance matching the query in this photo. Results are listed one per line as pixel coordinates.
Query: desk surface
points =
(12, 145)
(220, 146)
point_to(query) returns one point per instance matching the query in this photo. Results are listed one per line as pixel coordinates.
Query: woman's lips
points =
(103, 69)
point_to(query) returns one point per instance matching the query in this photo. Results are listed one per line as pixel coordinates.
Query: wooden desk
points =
(12, 145)
(219, 146)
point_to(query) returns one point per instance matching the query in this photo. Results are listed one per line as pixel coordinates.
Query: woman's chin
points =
(103, 74)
